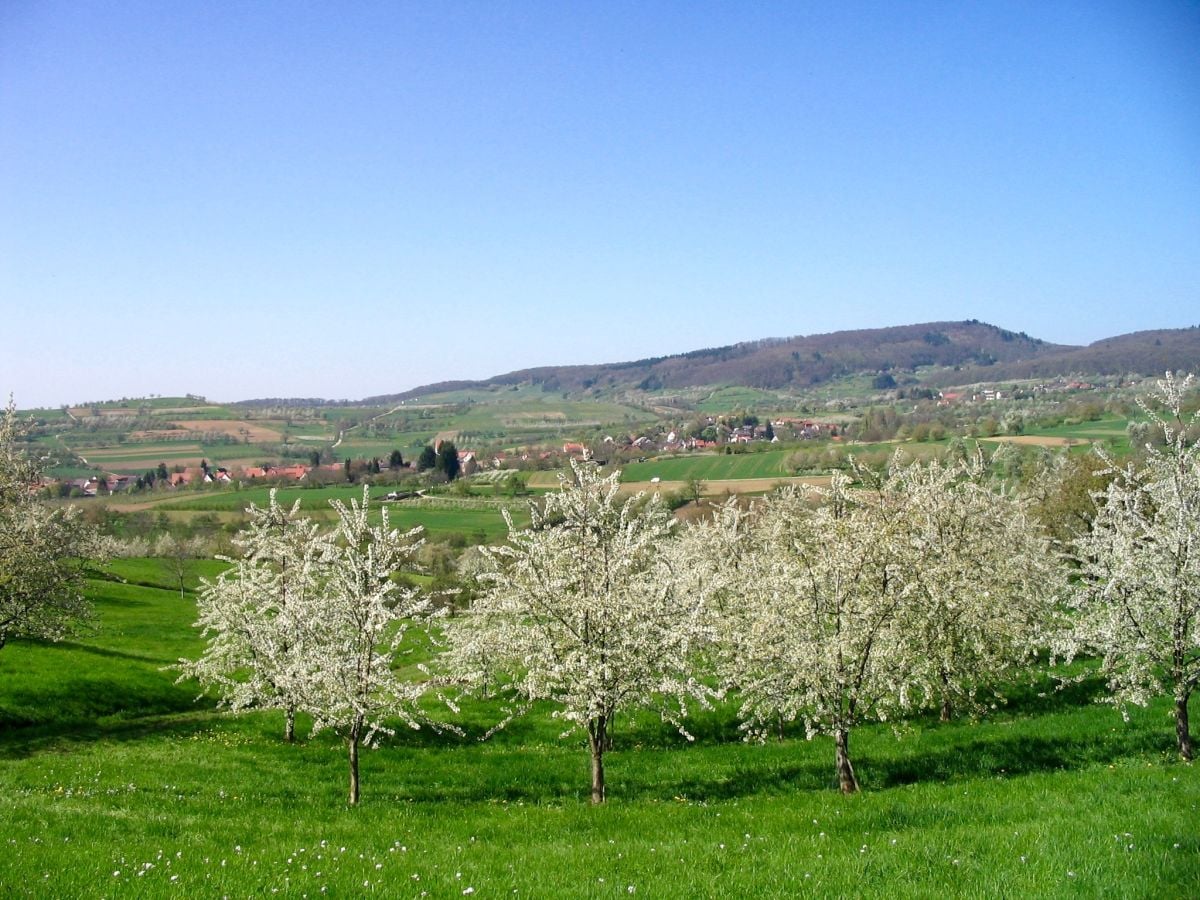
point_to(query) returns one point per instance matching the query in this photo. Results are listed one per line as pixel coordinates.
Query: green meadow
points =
(116, 782)
(469, 518)
(710, 466)
(724, 399)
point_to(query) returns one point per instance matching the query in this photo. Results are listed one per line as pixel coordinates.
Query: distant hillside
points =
(777, 363)
(1140, 353)
(960, 352)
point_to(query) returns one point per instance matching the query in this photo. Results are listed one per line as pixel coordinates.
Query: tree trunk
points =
(352, 741)
(1181, 727)
(947, 703)
(289, 726)
(597, 738)
(847, 780)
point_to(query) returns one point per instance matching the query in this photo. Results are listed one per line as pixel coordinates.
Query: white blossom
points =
(43, 550)
(311, 620)
(1139, 600)
(253, 614)
(355, 625)
(865, 601)
(584, 609)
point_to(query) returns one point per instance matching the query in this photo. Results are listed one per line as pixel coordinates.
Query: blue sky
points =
(337, 200)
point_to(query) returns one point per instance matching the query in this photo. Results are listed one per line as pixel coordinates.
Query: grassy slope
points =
(108, 770)
(315, 503)
(768, 464)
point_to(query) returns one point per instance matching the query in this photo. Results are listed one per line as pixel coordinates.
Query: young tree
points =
(817, 632)
(583, 609)
(356, 625)
(916, 588)
(253, 615)
(43, 550)
(983, 579)
(310, 621)
(1139, 603)
(177, 554)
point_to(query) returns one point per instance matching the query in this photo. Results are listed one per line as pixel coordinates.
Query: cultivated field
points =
(114, 782)
(710, 467)
(252, 432)
(1032, 440)
(472, 518)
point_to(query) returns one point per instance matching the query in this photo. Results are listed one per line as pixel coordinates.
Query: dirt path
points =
(1036, 440)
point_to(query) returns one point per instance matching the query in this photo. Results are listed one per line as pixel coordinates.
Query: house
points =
(87, 486)
(289, 473)
(467, 464)
(191, 475)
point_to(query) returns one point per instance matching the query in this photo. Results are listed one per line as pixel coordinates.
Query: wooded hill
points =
(959, 352)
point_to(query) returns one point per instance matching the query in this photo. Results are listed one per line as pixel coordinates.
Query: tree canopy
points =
(43, 550)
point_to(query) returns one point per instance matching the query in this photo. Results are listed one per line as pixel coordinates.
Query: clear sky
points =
(342, 199)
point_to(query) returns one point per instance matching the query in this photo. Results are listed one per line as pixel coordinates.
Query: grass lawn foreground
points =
(116, 783)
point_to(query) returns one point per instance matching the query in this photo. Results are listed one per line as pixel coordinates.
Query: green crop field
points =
(527, 408)
(726, 399)
(115, 782)
(1109, 431)
(314, 502)
(705, 466)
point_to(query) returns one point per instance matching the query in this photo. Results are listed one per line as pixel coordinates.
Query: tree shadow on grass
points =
(102, 651)
(87, 708)
(25, 742)
(1003, 758)
(1048, 695)
(1009, 756)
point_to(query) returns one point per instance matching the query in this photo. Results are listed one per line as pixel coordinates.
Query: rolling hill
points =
(960, 352)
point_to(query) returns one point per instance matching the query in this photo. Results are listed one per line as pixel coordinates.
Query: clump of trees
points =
(444, 460)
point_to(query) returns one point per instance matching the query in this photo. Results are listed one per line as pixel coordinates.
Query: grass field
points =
(114, 782)
(727, 399)
(716, 466)
(314, 502)
(1110, 431)
(138, 458)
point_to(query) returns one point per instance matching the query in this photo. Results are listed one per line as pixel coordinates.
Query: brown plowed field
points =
(1035, 440)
